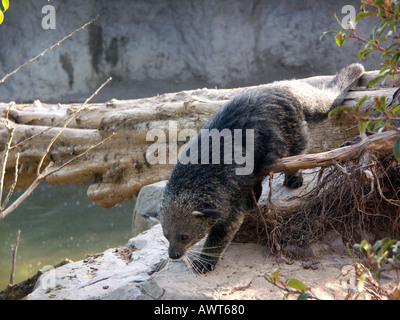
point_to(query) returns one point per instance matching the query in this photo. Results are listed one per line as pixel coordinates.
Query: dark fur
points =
(211, 199)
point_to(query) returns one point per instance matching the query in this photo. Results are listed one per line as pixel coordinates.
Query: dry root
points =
(357, 201)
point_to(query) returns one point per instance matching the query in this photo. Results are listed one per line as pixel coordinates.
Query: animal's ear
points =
(210, 213)
(153, 215)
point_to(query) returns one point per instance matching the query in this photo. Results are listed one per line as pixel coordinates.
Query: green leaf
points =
(325, 33)
(363, 15)
(366, 112)
(375, 80)
(6, 4)
(274, 276)
(296, 284)
(364, 245)
(395, 110)
(362, 127)
(385, 243)
(303, 296)
(378, 273)
(377, 245)
(396, 247)
(395, 57)
(1, 17)
(371, 125)
(396, 149)
(362, 100)
(363, 53)
(386, 66)
(380, 104)
(361, 281)
(382, 27)
(372, 34)
(342, 26)
(386, 52)
(338, 109)
(287, 295)
(340, 39)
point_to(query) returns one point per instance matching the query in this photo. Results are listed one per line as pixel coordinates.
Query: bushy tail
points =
(344, 80)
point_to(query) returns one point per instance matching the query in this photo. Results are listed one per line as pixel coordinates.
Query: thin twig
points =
(66, 124)
(8, 112)
(258, 210)
(10, 193)
(392, 202)
(46, 172)
(271, 177)
(80, 155)
(5, 158)
(14, 258)
(47, 50)
(27, 192)
(41, 132)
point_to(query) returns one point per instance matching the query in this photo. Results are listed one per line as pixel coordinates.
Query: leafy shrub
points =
(383, 39)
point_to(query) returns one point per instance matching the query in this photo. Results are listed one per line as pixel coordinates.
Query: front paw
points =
(202, 267)
(293, 181)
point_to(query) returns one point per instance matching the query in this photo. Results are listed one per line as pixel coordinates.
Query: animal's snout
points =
(175, 254)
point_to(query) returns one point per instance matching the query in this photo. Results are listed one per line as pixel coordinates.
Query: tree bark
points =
(118, 168)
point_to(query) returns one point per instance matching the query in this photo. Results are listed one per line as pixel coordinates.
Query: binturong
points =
(214, 181)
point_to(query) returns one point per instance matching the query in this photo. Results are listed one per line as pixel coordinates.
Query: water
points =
(59, 222)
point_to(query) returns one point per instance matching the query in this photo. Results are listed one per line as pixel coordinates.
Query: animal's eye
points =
(184, 237)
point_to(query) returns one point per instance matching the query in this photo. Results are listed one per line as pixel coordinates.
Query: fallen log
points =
(118, 168)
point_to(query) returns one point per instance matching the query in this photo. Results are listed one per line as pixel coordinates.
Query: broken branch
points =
(5, 157)
(14, 258)
(380, 143)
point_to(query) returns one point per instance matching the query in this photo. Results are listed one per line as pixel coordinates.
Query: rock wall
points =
(152, 47)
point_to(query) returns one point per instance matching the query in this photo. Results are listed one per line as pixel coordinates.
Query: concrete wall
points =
(154, 46)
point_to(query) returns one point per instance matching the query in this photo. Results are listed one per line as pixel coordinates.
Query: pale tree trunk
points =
(118, 168)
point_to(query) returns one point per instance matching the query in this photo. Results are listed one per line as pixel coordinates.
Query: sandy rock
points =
(129, 273)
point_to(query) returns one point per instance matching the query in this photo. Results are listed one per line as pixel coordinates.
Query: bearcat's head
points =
(185, 222)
